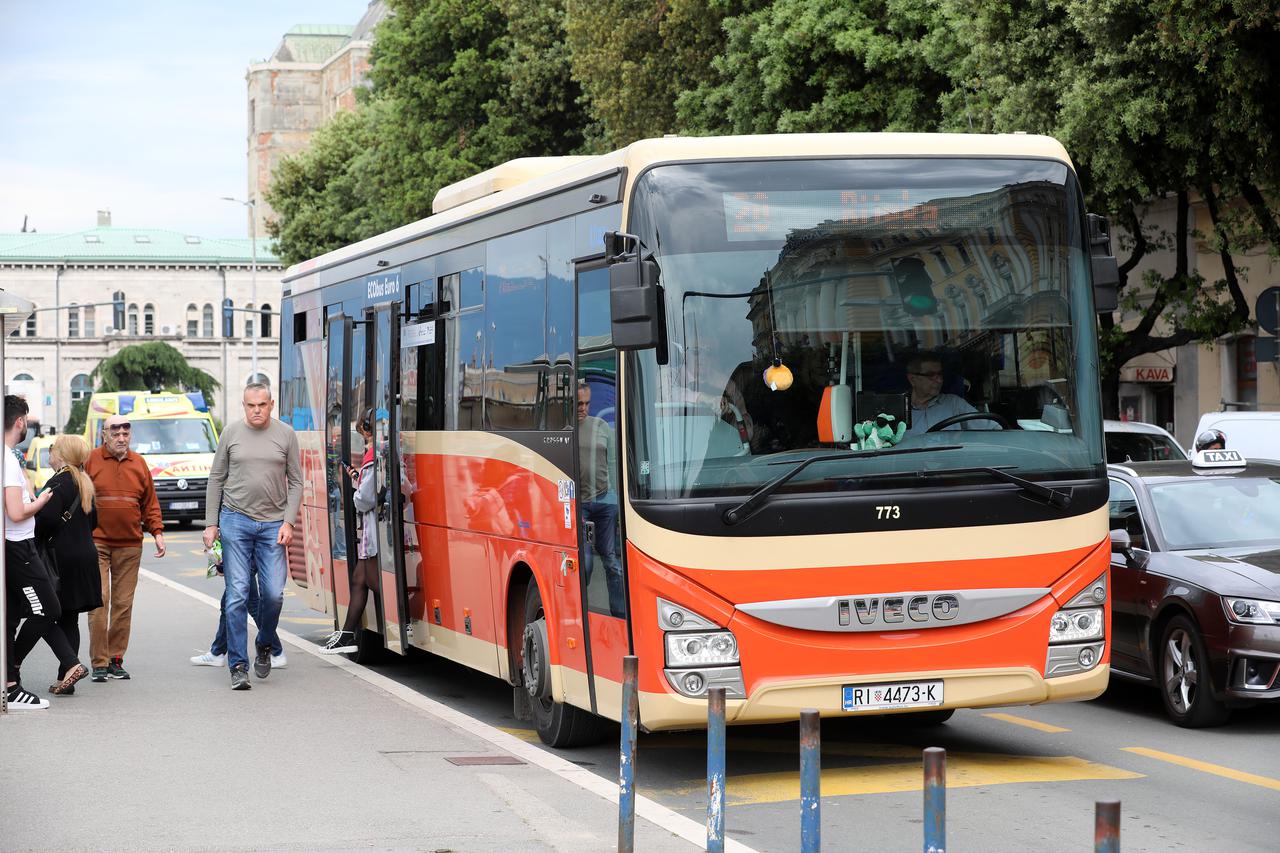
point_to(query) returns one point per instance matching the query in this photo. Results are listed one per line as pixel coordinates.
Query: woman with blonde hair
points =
(64, 526)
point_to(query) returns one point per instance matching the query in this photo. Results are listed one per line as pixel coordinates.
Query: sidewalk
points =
(313, 758)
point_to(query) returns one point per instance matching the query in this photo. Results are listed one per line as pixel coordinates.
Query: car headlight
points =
(712, 648)
(1076, 626)
(1251, 611)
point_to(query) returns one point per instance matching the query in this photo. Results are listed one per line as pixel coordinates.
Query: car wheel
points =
(558, 724)
(1185, 685)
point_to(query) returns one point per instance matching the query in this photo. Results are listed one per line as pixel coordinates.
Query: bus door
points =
(598, 486)
(384, 344)
(337, 454)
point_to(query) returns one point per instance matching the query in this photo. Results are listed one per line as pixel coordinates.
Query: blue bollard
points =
(715, 770)
(627, 754)
(1106, 827)
(810, 782)
(935, 800)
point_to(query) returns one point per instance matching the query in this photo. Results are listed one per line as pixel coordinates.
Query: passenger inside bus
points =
(598, 501)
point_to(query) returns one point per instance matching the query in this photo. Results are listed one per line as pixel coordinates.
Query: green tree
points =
(799, 66)
(1154, 100)
(458, 86)
(151, 366)
(76, 417)
(633, 70)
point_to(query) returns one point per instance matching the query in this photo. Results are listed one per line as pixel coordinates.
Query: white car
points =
(1133, 441)
(1255, 434)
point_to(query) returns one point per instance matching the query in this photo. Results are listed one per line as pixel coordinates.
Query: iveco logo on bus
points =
(942, 607)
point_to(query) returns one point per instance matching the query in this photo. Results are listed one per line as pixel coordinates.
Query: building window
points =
(193, 321)
(80, 387)
(149, 319)
(31, 326)
(133, 318)
(73, 321)
(90, 321)
(23, 377)
(248, 320)
(207, 320)
(117, 311)
(266, 320)
(228, 319)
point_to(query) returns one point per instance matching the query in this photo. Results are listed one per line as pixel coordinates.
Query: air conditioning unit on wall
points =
(170, 329)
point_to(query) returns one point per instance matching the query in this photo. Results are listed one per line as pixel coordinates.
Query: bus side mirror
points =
(634, 304)
(1106, 272)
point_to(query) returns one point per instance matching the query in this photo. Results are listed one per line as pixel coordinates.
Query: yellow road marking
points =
(526, 735)
(193, 573)
(1031, 724)
(963, 771)
(1206, 767)
(307, 620)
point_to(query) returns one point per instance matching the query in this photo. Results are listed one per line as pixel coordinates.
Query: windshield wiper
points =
(1054, 497)
(742, 511)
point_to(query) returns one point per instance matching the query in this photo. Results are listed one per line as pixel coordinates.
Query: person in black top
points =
(64, 529)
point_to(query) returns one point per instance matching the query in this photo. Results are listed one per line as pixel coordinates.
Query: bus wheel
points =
(558, 724)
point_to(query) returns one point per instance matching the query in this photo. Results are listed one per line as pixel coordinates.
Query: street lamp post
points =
(251, 206)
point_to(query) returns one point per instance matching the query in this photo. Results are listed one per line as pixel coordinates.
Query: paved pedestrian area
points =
(316, 757)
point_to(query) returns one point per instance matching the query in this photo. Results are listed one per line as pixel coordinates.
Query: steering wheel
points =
(969, 416)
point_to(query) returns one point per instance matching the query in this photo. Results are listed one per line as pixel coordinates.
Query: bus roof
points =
(531, 177)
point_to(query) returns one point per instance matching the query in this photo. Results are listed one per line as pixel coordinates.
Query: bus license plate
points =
(888, 697)
(184, 505)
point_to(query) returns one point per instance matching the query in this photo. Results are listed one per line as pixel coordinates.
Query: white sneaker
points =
(279, 661)
(209, 659)
(21, 699)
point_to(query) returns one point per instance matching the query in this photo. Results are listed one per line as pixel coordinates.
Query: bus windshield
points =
(933, 290)
(172, 435)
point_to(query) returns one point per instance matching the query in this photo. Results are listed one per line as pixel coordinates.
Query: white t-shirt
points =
(16, 531)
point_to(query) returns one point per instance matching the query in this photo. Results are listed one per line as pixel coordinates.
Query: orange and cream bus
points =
(813, 418)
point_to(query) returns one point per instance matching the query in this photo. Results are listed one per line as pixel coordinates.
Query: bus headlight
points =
(712, 648)
(1076, 626)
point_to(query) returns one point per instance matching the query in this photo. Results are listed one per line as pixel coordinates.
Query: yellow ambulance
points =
(174, 433)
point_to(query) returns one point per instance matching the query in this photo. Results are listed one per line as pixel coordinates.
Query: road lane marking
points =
(307, 620)
(526, 735)
(1206, 767)
(1031, 724)
(193, 573)
(964, 770)
(646, 808)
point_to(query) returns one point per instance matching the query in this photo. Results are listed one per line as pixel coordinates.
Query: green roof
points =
(313, 42)
(130, 245)
(321, 30)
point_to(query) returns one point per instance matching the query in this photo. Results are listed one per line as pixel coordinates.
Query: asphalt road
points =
(1022, 778)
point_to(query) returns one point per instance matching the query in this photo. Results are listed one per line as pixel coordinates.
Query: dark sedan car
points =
(1195, 570)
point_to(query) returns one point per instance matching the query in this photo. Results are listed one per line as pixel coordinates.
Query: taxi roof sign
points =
(1218, 459)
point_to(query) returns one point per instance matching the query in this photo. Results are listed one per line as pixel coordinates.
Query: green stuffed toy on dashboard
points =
(884, 431)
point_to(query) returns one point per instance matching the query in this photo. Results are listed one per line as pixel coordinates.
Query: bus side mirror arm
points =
(1105, 271)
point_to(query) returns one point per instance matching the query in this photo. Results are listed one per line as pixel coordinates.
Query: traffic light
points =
(228, 319)
(915, 288)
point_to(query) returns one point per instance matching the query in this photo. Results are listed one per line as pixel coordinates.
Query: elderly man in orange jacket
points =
(127, 506)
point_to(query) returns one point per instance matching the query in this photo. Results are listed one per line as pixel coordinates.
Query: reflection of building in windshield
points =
(172, 435)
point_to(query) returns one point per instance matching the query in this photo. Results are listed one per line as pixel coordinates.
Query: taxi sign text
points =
(1218, 459)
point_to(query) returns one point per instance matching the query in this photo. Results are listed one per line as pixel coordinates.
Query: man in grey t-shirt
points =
(255, 489)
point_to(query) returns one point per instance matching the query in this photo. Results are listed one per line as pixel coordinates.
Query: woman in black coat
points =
(64, 527)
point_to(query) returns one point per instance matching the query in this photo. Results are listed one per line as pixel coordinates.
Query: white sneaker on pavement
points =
(209, 659)
(21, 699)
(279, 661)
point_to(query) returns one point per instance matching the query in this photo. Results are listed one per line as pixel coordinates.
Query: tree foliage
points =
(1158, 101)
(149, 366)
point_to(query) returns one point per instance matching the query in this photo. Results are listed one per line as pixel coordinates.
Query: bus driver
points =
(929, 405)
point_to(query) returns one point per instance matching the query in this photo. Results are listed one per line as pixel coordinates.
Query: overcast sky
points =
(137, 106)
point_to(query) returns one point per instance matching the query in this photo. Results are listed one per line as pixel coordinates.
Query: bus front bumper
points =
(782, 701)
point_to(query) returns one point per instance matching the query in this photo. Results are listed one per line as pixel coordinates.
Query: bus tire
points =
(558, 724)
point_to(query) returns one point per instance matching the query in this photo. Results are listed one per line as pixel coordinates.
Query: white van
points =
(1254, 434)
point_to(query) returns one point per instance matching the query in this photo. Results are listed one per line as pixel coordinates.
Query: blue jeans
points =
(249, 548)
(219, 644)
(604, 516)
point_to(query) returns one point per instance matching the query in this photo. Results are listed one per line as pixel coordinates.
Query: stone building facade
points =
(1173, 388)
(174, 287)
(313, 73)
